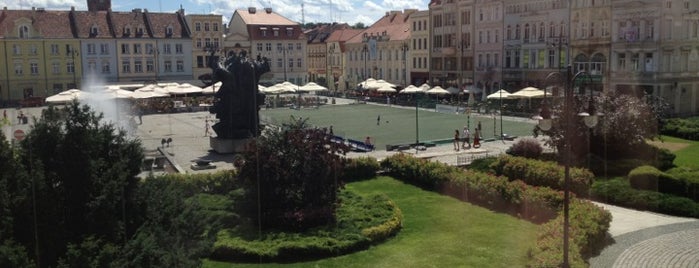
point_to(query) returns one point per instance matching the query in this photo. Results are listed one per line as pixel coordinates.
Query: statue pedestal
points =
(228, 146)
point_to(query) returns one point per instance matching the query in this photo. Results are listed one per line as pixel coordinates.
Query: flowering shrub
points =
(526, 147)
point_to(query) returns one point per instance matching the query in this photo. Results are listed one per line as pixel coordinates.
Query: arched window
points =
(517, 32)
(93, 30)
(23, 31)
(509, 32)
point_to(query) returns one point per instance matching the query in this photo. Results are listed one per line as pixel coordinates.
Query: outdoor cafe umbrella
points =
(365, 84)
(213, 88)
(500, 94)
(453, 90)
(149, 91)
(425, 87)
(412, 89)
(527, 92)
(311, 86)
(184, 88)
(386, 89)
(68, 96)
(437, 91)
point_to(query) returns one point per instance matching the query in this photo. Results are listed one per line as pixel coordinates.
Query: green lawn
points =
(687, 156)
(397, 124)
(438, 231)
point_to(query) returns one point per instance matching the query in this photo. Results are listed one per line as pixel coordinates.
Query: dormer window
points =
(289, 31)
(275, 31)
(168, 31)
(127, 31)
(23, 31)
(263, 31)
(139, 31)
(93, 31)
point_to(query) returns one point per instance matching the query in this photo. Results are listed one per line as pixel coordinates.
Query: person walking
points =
(378, 120)
(477, 139)
(466, 139)
(206, 127)
(456, 140)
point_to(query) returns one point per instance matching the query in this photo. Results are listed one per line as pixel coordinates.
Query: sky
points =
(343, 11)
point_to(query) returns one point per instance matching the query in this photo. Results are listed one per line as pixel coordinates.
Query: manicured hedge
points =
(686, 128)
(361, 221)
(686, 184)
(589, 222)
(543, 173)
(359, 169)
(618, 191)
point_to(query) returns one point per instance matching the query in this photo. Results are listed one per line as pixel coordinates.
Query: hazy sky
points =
(349, 11)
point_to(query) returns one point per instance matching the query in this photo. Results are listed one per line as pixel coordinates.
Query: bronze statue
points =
(237, 102)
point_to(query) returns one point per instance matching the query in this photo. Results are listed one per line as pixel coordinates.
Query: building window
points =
(149, 66)
(290, 46)
(93, 31)
(91, 49)
(178, 49)
(33, 49)
(167, 48)
(268, 46)
(55, 68)
(621, 64)
(126, 66)
(168, 66)
(104, 49)
(215, 26)
(259, 47)
(70, 67)
(54, 49)
(216, 43)
(23, 31)
(168, 31)
(180, 66)
(198, 44)
(280, 63)
(34, 68)
(18, 69)
(206, 26)
(200, 61)
(16, 50)
(105, 67)
(299, 63)
(289, 32)
(197, 26)
(138, 66)
(137, 49)
(298, 46)
(125, 49)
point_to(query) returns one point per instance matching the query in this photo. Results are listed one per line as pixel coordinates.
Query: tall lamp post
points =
(365, 51)
(74, 52)
(545, 123)
(405, 47)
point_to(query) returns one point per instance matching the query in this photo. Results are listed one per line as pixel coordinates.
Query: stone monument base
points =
(228, 146)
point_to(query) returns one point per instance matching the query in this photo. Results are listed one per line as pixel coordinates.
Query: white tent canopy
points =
(453, 90)
(149, 91)
(184, 88)
(425, 87)
(386, 89)
(213, 88)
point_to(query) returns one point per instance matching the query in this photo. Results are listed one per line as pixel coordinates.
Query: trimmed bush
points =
(543, 173)
(619, 192)
(686, 128)
(359, 169)
(618, 167)
(691, 179)
(360, 223)
(652, 179)
(482, 164)
(526, 147)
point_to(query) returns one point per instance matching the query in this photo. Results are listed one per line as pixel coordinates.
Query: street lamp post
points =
(405, 47)
(155, 52)
(74, 52)
(545, 124)
(365, 50)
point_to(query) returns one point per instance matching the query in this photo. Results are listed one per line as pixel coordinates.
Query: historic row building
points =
(48, 51)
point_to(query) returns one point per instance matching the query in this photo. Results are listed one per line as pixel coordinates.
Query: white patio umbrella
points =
(213, 88)
(386, 89)
(184, 88)
(365, 84)
(149, 91)
(425, 87)
(500, 94)
(472, 89)
(68, 96)
(277, 89)
(311, 86)
(528, 92)
(412, 89)
(382, 83)
(437, 91)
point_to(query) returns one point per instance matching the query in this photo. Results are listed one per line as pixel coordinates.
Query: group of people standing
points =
(465, 138)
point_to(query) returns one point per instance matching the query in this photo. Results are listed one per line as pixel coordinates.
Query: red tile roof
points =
(160, 21)
(269, 20)
(84, 20)
(45, 23)
(133, 20)
(394, 25)
(262, 17)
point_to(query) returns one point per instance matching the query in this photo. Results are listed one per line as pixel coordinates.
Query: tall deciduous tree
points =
(84, 173)
(295, 171)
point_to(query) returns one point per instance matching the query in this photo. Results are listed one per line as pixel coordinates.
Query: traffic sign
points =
(19, 134)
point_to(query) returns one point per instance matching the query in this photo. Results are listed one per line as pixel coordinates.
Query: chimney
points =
(136, 10)
(252, 10)
(268, 10)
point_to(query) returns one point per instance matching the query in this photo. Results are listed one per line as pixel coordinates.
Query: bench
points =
(359, 146)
